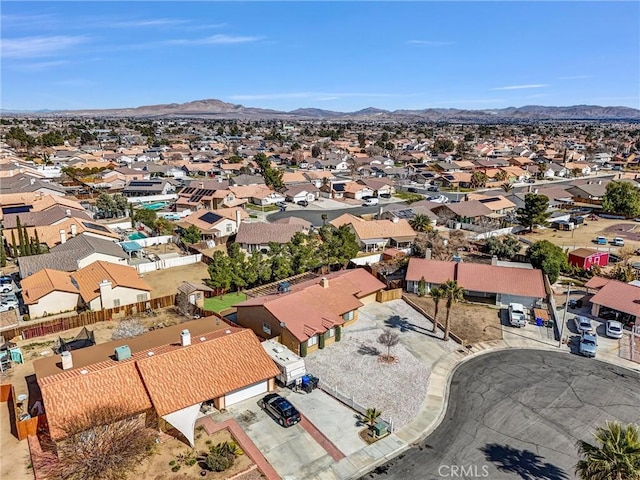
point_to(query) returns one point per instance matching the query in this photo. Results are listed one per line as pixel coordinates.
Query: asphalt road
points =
(518, 414)
(315, 216)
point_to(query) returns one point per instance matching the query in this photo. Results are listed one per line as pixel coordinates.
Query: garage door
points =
(247, 392)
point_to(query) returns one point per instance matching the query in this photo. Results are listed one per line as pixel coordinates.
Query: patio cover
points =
(130, 247)
(185, 421)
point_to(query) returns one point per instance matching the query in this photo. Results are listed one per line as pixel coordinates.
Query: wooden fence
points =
(388, 295)
(21, 429)
(87, 318)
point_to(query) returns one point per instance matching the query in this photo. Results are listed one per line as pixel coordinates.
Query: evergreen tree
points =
(14, 246)
(38, 246)
(27, 241)
(3, 253)
(20, 236)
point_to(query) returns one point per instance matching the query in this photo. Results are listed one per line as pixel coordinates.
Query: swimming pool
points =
(137, 236)
(155, 206)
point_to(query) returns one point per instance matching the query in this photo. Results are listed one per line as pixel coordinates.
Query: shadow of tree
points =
(368, 350)
(527, 465)
(403, 324)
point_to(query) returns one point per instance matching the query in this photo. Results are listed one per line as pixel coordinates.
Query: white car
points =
(614, 329)
(618, 242)
(517, 315)
(8, 304)
(583, 324)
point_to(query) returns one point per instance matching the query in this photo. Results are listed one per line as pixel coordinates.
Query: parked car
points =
(614, 329)
(384, 195)
(433, 188)
(618, 242)
(412, 190)
(517, 315)
(303, 203)
(6, 284)
(281, 408)
(582, 324)
(281, 204)
(588, 344)
(369, 202)
(600, 240)
(8, 304)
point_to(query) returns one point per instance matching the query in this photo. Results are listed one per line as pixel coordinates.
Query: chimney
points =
(238, 219)
(63, 236)
(427, 253)
(32, 181)
(395, 219)
(185, 338)
(67, 212)
(105, 289)
(219, 179)
(67, 360)
(324, 282)
(494, 260)
(74, 230)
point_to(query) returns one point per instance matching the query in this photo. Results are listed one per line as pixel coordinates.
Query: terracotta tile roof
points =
(345, 219)
(263, 233)
(44, 282)
(50, 234)
(89, 278)
(597, 282)
(619, 296)
(383, 229)
(479, 277)
(309, 308)
(221, 364)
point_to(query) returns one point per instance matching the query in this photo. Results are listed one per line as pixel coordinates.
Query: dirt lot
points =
(42, 346)
(165, 282)
(469, 321)
(585, 233)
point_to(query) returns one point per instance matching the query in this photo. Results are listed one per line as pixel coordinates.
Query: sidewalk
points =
(435, 404)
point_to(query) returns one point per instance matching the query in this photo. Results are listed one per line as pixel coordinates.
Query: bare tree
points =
(128, 328)
(98, 444)
(389, 339)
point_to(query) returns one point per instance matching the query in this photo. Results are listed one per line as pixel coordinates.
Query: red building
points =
(587, 258)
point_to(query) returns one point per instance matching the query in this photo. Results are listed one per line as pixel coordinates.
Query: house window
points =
(142, 297)
(266, 328)
(116, 302)
(348, 316)
(229, 228)
(331, 332)
(312, 341)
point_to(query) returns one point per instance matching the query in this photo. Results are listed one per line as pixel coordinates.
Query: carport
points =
(131, 247)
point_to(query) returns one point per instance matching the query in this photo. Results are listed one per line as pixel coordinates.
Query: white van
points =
(369, 202)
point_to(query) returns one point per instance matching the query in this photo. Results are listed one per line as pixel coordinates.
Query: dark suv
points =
(280, 408)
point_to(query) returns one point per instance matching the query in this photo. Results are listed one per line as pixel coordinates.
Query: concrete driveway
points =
(517, 415)
(290, 451)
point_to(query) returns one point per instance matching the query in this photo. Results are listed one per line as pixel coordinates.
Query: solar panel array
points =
(95, 226)
(210, 218)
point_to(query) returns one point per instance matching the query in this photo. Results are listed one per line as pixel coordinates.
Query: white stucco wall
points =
(52, 303)
(94, 257)
(126, 296)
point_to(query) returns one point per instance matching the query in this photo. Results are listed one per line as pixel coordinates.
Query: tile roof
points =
(44, 282)
(309, 308)
(396, 228)
(597, 282)
(89, 278)
(479, 277)
(345, 219)
(619, 296)
(263, 233)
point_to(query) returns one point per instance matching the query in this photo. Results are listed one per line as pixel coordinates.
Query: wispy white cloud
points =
(430, 43)
(575, 77)
(76, 82)
(9, 21)
(44, 46)
(37, 66)
(221, 39)
(522, 87)
(149, 22)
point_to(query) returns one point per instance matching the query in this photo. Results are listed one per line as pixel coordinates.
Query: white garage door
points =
(247, 392)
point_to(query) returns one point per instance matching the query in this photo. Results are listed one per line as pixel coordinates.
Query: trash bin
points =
(579, 303)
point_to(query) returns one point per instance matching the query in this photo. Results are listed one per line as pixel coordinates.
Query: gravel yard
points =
(352, 366)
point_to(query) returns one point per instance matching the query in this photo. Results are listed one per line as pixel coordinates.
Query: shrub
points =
(175, 468)
(128, 329)
(218, 462)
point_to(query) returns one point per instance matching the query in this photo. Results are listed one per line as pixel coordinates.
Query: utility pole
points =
(564, 317)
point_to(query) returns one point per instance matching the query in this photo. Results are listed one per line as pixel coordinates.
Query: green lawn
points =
(258, 208)
(217, 304)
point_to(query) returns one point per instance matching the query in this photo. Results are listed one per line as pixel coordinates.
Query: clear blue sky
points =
(332, 55)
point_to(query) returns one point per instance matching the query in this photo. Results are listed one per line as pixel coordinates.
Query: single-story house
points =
(256, 236)
(166, 373)
(622, 298)
(504, 285)
(298, 193)
(48, 291)
(310, 315)
(588, 257)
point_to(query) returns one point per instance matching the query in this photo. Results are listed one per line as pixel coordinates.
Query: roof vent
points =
(122, 353)
(227, 332)
(324, 282)
(84, 371)
(202, 339)
(150, 354)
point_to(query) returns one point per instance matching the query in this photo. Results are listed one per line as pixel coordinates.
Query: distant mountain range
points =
(216, 109)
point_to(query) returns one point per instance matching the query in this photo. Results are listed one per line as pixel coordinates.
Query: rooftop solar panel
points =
(210, 218)
(95, 226)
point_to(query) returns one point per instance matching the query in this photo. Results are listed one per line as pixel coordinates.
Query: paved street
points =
(518, 414)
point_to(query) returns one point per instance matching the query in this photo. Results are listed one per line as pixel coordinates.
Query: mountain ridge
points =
(214, 108)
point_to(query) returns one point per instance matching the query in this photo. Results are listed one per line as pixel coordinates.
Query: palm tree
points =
(501, 176)
(437, 294)
(617, 457)
(420, 223)
(453, 293)
(478, 179)
(371, 416)
(507, 187)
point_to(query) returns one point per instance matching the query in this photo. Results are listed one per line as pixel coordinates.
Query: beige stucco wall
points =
(126, 296)
(368, 299)
(54, 302)
(254, 317)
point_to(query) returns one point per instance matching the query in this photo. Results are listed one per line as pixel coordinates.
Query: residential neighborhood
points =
(307, 295)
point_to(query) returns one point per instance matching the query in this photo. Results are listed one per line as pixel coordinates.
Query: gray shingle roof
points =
(85, 245)
(263, 233)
